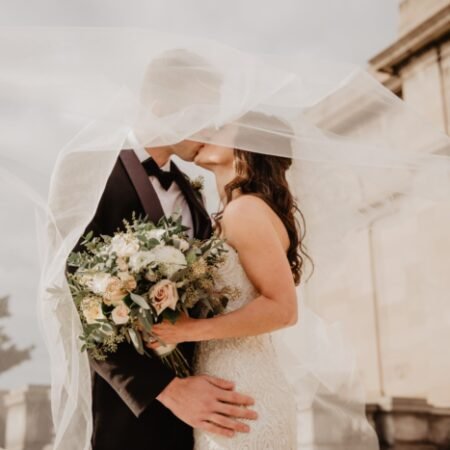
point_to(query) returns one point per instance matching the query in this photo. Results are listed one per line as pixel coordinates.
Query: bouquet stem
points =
(172, 357)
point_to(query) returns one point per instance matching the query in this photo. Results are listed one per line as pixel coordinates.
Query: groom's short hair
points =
(177, 79)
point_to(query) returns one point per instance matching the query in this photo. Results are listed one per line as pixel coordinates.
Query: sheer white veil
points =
(361, 157)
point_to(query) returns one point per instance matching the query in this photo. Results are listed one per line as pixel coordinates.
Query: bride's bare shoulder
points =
(246, 205)
(248, 219)
(246, 211)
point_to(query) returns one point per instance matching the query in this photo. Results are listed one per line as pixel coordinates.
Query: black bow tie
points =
(166, 178)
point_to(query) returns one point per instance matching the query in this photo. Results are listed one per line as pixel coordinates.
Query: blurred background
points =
(406, 45)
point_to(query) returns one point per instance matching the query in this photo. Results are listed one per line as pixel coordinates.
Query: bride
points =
(264, 262)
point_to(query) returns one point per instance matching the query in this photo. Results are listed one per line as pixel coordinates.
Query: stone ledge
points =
(410, 424)
(425, 33)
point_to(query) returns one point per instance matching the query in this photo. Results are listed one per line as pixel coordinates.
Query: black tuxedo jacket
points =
(126, 414)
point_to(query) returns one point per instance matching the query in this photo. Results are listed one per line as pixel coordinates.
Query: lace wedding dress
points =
(251, 362)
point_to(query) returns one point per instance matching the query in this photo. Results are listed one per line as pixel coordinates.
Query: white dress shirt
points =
(172, 200)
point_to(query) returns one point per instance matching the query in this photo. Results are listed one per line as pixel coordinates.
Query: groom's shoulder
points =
(118, 175)
(119, 166)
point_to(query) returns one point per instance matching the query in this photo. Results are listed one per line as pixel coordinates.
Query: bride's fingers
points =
(227, 422)
(212, 428)
(164, 325)
(239, 412)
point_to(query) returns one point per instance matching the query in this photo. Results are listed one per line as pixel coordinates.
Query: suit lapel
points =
(200, 217)
(144, 188)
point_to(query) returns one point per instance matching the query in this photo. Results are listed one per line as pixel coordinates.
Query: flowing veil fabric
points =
(72, 98)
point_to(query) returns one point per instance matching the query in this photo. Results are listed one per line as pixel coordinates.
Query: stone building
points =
(411, 391)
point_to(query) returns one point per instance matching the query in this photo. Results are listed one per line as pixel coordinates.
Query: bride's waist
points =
(250, 361)
(242, 347)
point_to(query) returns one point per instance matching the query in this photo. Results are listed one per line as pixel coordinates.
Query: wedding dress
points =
(250, 362)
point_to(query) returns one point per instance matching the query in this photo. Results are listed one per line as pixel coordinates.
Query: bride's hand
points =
(180, 331)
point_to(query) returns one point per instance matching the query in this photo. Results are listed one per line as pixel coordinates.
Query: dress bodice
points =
(232, 274)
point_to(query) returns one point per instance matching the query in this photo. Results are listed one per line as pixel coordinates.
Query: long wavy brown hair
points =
(264, 176)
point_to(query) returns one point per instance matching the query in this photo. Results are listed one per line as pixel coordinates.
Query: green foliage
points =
(10, 355)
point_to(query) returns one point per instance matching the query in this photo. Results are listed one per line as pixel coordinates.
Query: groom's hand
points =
(208, 403)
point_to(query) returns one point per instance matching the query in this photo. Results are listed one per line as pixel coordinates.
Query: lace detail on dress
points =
(252, 364)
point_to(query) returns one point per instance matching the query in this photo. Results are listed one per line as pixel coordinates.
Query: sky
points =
(349, 30)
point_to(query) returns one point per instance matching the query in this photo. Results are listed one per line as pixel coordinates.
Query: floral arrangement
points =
(125, 283)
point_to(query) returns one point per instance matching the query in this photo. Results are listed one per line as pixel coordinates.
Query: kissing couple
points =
(237, 396)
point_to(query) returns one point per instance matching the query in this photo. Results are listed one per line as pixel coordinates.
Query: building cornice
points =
(435, 28)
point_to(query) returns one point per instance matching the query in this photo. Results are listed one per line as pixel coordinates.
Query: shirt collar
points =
(143, 155)
(166, 166)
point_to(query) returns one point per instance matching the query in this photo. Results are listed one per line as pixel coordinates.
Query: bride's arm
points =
(250, 230)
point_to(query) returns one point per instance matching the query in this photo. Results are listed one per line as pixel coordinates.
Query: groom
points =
(138, 402)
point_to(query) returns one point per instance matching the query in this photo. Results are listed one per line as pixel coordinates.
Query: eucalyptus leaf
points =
(139, 300)
(136, 340)
(88, 237)
(191, 256)
(146, 322)
(153, 242)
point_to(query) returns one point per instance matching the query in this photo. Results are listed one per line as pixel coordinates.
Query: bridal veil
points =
(365, 165)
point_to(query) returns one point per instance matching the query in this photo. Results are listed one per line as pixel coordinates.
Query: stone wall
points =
(413, 12)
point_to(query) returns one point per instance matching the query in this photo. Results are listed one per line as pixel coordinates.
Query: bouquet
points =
(125, 283)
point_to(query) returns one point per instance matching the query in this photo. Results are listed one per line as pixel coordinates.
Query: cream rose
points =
(163, 295)
(128, 281)
(124, 245)
(92, 309)
(120, 314)
(114, 292)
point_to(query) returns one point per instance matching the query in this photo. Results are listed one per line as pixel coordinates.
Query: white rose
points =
(120, 314)
(156, 233)
(171, 259)
(124, 245)
(97, 282)
(92, 309)
(141, 260)
(163, 295)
